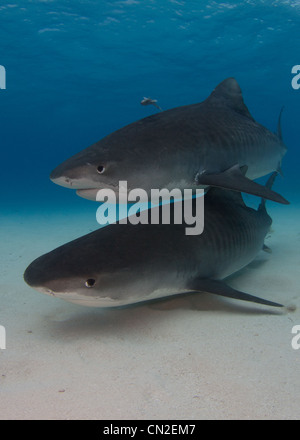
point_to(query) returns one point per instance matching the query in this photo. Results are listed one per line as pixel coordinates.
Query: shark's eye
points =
(100, 169)
(90, 282)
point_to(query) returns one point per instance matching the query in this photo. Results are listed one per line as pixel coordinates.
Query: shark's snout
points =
(62, 181)
(33, 275)
(70, 178)
(60, 176)
(81, 179)
(36, 277)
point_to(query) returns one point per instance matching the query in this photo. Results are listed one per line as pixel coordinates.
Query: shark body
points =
(214, 143)
(123, 264)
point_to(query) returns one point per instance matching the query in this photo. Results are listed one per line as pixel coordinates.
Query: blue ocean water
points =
(77, 70)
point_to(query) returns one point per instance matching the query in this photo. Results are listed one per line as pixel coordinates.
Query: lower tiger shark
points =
(123, 264)
(211, 143)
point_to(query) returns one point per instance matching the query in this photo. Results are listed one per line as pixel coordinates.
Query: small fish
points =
(149, 101)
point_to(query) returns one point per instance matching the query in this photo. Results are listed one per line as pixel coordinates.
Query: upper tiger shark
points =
(213, 143)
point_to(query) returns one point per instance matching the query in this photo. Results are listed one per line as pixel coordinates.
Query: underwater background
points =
(75, 72)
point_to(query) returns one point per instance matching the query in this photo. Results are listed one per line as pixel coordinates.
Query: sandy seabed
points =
(188, 357)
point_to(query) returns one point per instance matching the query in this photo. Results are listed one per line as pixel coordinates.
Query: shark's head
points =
(102, 269)
(83, 272)
(87, 172)
(91, 170)
(134, 154)
(65, 278)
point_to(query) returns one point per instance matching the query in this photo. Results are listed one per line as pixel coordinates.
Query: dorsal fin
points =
(229, 93)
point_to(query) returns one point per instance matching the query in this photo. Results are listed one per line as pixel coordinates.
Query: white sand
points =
(193, 357)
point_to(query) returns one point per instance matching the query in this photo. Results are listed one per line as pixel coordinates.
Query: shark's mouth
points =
(83, 300)
(82, 190)
(92, 193)
(89, 194)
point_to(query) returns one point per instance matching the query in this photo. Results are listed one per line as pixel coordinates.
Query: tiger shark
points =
(123, 264)
(193, 146)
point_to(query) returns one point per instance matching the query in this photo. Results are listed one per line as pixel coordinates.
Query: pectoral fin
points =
(234, 179)
(220, 288)
(266, 249)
